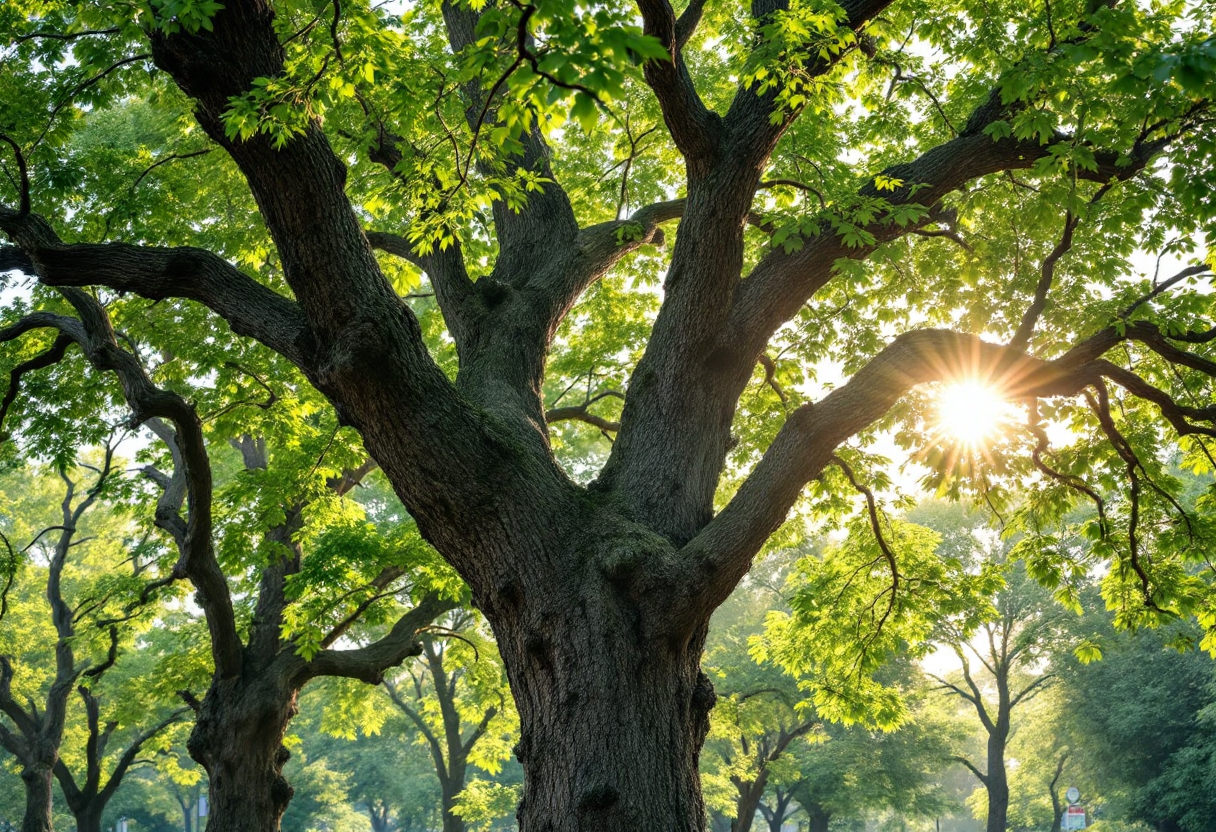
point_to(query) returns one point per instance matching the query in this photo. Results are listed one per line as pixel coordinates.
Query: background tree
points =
(1046, 139)
(455, 696)
(390, 777)
(855, 772)
(1003, 666)
(88, 614)
(760, 714)
(1142, 718)
(1047, 766)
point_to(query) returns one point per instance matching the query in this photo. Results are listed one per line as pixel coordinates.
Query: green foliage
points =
(482, 802)
(1140, 724)
(851, 610)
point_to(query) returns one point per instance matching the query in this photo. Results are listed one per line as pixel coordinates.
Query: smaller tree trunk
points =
(188, 809)
(450, 787)
(38, 796)
(748, 802)
(819, 818)
(379, 817)
(998, 784)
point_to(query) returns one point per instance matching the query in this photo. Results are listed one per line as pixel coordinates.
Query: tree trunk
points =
(776, 819)
(613, 710)
(238, 739)
(998, 783)
(88, 821)
(819, 818)
(188, 811)
(38, 797)
(379, 818)
(748, 802)
(449, 788)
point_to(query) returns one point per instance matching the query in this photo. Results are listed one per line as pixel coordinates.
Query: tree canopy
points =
(609, 292)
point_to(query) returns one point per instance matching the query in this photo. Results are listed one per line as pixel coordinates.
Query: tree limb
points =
(157, 273)
(693, 127)
(711, 564)
(369, 663)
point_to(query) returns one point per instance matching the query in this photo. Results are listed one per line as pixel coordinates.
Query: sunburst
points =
(971, 414)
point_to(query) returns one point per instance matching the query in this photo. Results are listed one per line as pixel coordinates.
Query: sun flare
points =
(970, 413)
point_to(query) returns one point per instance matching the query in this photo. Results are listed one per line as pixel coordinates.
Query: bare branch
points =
(23, 184)
(1021, 338)
(1166, 285)
(1030, 691)
(983, 778)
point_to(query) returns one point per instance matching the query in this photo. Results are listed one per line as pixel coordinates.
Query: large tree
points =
(951, 190)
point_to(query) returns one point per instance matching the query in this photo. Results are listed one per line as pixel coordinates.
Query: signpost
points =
(1074, 815)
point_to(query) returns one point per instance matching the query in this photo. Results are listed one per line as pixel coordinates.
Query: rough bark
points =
(613, 711)
(37, 779)
(238, 739)
(242, 720)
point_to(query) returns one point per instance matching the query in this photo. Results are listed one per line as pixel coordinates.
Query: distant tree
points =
(1144, 719)
(386, 774)
(856, 772)
(455, 697)
(1002, 667)
(760, 713)
(92, 602)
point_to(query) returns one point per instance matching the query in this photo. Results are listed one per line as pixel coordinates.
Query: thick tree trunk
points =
(449, 788)
(89, 820)
(613, 710)
(38, 797)
(238, 739)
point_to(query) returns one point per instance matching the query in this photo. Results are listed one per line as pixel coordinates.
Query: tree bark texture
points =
(37, 779)
(599, 597)
(238, 739)
(612, 712)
